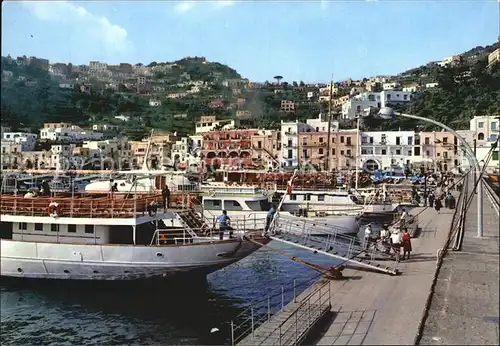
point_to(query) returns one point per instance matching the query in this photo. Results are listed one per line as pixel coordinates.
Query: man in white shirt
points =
(368, 235)
(396, 240)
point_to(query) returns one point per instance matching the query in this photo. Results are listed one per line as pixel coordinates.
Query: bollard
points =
(268, 308)
(294, 292)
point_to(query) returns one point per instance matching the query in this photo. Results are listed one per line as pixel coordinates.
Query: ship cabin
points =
(82, 218)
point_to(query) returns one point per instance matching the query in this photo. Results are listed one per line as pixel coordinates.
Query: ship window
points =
(71, 228)
(307, 197)
(38, 226)
(54, 227)
(321, 198)
(262, 205)
(293, 197)
(23, 226)
(232, 205)
(212, 204)
(89, 229)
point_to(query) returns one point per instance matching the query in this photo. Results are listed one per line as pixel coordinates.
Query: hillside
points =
(31, 96)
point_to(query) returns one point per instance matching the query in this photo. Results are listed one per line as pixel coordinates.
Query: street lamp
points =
(389, 113)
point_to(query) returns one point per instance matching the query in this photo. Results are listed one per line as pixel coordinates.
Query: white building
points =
(485, 130)
(96, 66)
(208, 123)
(69, 134)
(320, 124)
(289, 141)
(27, 140)
(388, 149)
(354, 107)
(390, 85)
(154, 103)
(10, 154)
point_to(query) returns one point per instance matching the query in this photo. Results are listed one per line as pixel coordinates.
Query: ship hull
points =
(37, 260)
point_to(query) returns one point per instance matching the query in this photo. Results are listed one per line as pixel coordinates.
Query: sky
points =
(299, 40)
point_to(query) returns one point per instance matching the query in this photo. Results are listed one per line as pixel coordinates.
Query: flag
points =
(289, 189)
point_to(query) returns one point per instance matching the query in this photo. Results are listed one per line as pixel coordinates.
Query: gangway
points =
(335, 243)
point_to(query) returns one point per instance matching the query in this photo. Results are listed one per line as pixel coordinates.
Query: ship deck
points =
(90, 205)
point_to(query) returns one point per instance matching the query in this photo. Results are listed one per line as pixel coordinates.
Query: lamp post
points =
(389, 113)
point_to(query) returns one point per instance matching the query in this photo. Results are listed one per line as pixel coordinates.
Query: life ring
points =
(162, 237)
(54, 209)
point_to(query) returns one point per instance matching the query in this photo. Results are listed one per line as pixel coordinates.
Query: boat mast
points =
(357, 153)
(327, 162)
(145, 162)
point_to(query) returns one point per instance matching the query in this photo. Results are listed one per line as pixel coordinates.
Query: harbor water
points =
(38, 312)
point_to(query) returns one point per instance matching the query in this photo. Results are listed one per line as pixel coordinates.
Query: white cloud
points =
(225, 3)
(113, 37)
(184, 6)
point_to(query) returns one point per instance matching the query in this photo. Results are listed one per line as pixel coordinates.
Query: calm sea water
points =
(38, 312)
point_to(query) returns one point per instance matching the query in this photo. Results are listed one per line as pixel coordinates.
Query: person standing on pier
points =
(166, 196)
(396, 239)
(368, 235)
(431, 200)
(438, 205)
(223, 221)
(406, 244)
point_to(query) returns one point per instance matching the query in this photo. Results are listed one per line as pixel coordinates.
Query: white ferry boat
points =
(248, 203)
(323, 202)
(110, 237)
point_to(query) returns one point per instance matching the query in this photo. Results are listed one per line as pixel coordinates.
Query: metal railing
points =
(294, 328)
(83, 207)
(259, 312)
(458, 224)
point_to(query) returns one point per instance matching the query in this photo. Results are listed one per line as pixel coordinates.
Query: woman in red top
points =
(406, 244)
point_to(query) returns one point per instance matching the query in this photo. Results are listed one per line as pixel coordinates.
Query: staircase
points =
(190, 221)
(335, 243)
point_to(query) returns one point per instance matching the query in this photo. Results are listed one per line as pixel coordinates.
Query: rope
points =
(331, 272)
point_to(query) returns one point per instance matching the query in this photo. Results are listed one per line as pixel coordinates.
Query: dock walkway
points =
(464, 309)
(369, 308)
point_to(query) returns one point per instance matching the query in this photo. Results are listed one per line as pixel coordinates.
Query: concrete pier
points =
(464, 309)
(373, 309)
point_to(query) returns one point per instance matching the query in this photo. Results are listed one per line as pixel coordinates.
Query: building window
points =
(445, 139)
(320, 151)
(39, 227)
(23, 226)
(480, 136)
(321, 139)
(71, 228)
(410, 140)
(398, 152)
(480, 124)
(54, 227)
(494, 156)
(289, 154)
(398, 140)
(321, 198)
(417, 151)
(293, 197)
(89, 229)
(384, 152)
(333, 151)
(409, 152)
(341, 139)
(427, 140)
(493, 126)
